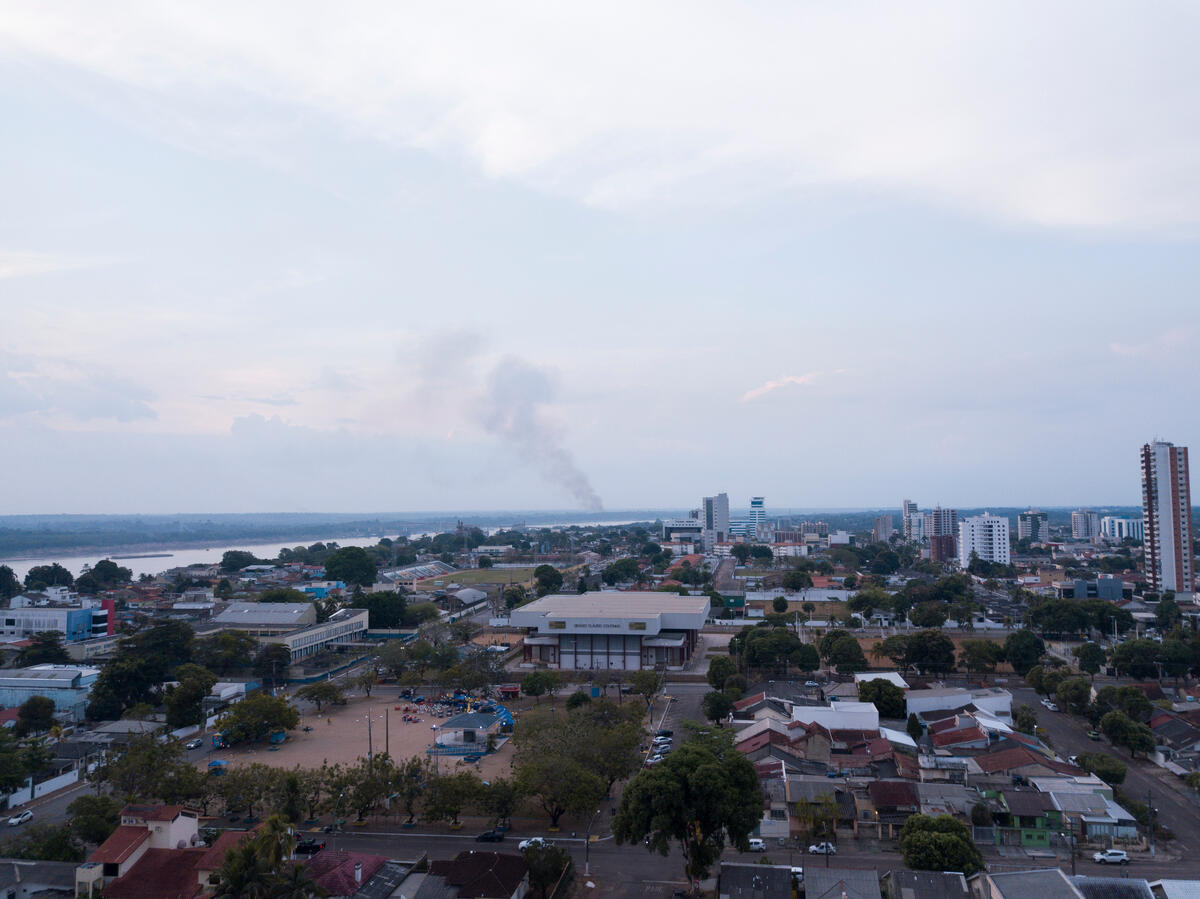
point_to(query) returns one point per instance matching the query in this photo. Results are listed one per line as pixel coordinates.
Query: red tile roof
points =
(160, 874)
(120, 844)
(893, 794)
(749, 700)
(333, 870)
(962, 735)
(214, 856)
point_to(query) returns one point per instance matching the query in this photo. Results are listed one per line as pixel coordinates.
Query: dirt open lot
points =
(339, 734)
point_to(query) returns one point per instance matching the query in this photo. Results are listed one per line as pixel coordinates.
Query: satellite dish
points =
(181, 844)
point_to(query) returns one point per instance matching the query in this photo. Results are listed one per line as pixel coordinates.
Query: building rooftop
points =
(612, 604)
(120, 844)
(160, 874)
(267, 613)
(478, 874)
(840, 883)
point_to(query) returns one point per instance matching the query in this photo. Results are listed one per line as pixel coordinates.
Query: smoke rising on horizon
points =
(510, 410)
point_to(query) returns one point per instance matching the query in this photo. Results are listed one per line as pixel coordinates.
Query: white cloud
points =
(1072, 114)
(768, 386)
(18, 264)
(1162, 343)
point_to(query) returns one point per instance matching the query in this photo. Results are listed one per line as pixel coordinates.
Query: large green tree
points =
(1023, 649)
(93, 818)
(44, 647)
(702, 797)
(255, 717)
(939, 844)
(887, 697)
(353, 565)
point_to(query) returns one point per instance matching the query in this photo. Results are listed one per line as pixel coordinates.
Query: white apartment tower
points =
(1085, 525)
(714, 515)
(1118, 529)
(758, 516)
(1167, 517)
(984, 535)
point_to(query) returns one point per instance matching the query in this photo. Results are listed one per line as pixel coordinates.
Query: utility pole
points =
(1150, 809)
(369, 744)
(387, 731)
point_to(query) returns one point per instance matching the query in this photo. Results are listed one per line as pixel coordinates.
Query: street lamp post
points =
(587, 845)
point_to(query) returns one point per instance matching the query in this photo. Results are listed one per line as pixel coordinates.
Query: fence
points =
(33, 791)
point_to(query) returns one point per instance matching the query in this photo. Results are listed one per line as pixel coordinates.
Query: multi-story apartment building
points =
(714, 515)
(1167, 516)
(1118, 529)
(985, 536)
(758, 516)
(1085, 525)
(941, 532)
(1034, 526)
(882, 530)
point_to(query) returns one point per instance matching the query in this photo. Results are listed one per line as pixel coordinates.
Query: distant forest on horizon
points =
(29, 534)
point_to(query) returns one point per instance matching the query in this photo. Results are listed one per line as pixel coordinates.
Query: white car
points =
(823, 849)
(1111, 857)
(20, 818)
(757, 845)
(1051, 707)
(534, 843)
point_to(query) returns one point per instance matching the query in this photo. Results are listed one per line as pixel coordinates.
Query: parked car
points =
(757, 845)
(490, 836)
(1111, 857)
(665, 733)
(1051, 707)
(1093, 735)
(823, 849)
(811, 683)
(20, 818)
(534, 843)
(194, 744)
(309, 846)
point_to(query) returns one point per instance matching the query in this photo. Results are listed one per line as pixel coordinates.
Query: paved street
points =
(1176, 809)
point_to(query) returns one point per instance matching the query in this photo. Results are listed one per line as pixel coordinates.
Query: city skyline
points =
(291, 259)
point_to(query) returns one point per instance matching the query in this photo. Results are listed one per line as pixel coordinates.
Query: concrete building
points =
(73, 622)
(1085, 525)
(611, 631)
(343, 627)
(714, 516)
(882, 530)
(1118, 529)
(67, 686)
(1033, 526)
(266, 618)
(985, 536)
(758, 516)
(1167, 517)
(682, 530)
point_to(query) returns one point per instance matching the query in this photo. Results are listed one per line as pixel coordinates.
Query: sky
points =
(376, 256)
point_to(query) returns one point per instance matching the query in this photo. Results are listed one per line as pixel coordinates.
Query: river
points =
(153, 561)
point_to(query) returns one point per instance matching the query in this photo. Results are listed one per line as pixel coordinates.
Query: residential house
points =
(1112, 887)
(469, 732)
(739, 880)
(146, 841)
(341, 874)
(900, 884)
(477, 875)
(894, 801)
(1033, 815)
(841, 883)
(1044, 883)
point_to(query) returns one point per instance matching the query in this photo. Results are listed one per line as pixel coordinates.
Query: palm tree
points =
(293, 882)
(243, 874)
(275, 842)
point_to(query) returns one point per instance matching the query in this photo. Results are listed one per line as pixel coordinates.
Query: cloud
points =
(83, 393)
(1159, 343)
(765, 388)
(624, 106)
(17, 264)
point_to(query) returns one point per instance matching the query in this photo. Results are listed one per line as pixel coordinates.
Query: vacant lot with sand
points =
(340, 734)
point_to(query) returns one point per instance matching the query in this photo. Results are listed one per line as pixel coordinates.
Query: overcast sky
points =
(309, 256)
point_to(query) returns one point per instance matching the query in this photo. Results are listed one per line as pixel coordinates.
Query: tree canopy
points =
(702, 797)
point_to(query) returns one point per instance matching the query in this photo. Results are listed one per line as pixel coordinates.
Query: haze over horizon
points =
(295, 257)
